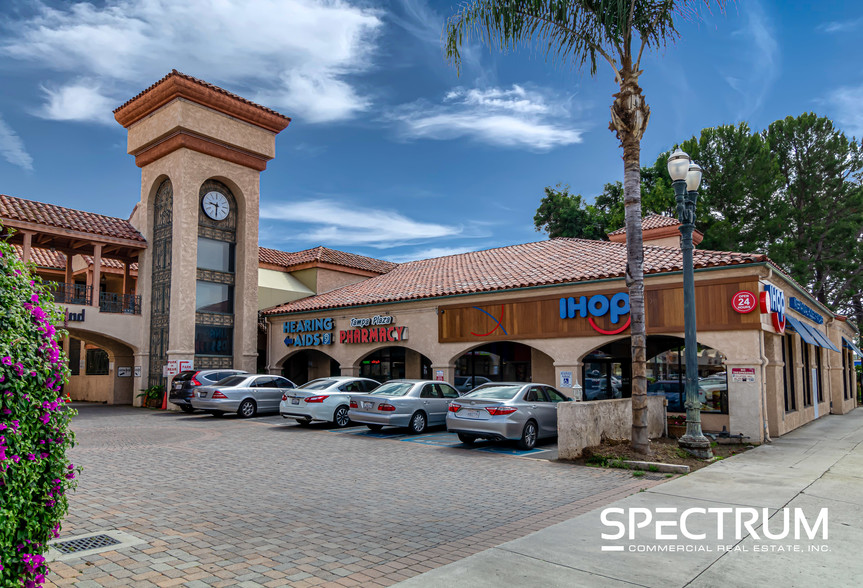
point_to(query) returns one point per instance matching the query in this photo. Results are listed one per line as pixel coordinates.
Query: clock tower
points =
(201, 150)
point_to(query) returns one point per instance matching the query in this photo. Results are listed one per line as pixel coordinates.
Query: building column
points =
(69, 278)
(569, 371)
(127, 277)
(97, 273)
(445, 372)
(28, 243)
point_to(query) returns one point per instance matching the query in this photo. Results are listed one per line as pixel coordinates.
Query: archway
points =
(502, 361)
(607, 373)
(101, 369)
(309, 364)
(394, 363)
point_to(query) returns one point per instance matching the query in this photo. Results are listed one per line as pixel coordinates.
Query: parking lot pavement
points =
(265, 502)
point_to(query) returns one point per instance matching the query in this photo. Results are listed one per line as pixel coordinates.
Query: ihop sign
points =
(772, 302)
(597, 306)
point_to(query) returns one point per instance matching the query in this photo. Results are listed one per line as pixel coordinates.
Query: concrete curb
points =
(652, 466)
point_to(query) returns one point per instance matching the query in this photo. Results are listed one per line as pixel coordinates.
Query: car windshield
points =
(495, 392)
(232, 381)
(393, 389)
(318, 384)
(184, 376)
(461, 380)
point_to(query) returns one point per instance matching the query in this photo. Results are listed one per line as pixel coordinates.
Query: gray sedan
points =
(247, 395)
(416, 404)
(506, 410)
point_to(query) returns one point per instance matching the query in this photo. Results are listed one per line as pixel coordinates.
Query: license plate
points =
(202, 394)
(368, 405)
(467, 413)
(295, 400)
(177, 386)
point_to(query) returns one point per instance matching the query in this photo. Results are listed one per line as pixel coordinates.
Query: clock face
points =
(215, 205)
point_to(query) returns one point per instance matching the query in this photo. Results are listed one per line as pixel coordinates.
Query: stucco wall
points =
(585, 424)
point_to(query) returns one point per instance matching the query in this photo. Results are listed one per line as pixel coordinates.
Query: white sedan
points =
(324, 399)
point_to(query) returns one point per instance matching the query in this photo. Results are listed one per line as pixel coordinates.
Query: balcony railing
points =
(120, 303)
(108, 301)
(73, 294)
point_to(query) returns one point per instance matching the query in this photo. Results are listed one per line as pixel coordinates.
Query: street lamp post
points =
(686, 176)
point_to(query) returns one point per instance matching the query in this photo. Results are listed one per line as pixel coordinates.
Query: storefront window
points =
(788, 379)
(97, 362)
(215, 255)
(666, 374)
(807, 376)
(384, 364)
(74, 356)
(211, 297)
(212, 340)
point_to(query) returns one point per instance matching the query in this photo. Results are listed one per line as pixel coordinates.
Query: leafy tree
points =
(561, 214)
(34, 428)
(581, 31)
(821, 201)
(736, 209)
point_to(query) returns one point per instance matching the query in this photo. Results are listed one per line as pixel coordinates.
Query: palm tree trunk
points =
(629, 116)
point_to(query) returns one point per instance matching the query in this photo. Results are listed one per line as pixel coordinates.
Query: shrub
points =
(34, 423)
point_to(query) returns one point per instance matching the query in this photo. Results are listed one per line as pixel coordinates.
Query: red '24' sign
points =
(744, 302)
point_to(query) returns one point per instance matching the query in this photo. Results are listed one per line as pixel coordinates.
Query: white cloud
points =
(429, 253)
(508, 117)
(12, 147)
(79, 102)
(845, 105)
(840, 26)
(284, 49)
(342, 223)
(753, 78)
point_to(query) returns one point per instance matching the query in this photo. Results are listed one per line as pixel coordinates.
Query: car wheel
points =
(528, 436)
(216, 413)
(247, 408)
(418, 423)
(340, 417)
(186, 408)
(375, 427)
(467, 439)
(304, 422)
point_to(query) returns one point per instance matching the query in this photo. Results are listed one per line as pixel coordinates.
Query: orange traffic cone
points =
(165, 401)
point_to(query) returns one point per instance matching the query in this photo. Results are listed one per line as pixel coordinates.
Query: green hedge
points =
(35, 474)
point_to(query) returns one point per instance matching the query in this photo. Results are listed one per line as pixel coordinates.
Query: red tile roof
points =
(43, 257)
(651, 221)
(558, 261)
(324, 255)
(51, 215)
(48, 259)
(112, 263)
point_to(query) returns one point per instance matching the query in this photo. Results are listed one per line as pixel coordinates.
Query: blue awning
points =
(826, 343)
(802, 330)
(850, 345)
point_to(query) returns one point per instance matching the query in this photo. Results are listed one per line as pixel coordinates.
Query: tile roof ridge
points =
(115, 218)
(174, 73)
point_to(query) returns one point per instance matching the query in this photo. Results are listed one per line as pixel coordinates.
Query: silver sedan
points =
(416, 404)
(247, 395)
(506, 411)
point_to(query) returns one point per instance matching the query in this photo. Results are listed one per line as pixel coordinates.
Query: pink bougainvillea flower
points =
(7, 360)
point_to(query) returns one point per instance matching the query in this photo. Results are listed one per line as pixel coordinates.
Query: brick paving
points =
(263, 502)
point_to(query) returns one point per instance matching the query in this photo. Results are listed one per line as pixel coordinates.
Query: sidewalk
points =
(819, 465)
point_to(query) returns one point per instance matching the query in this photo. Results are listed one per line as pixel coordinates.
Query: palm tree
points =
(583, 32)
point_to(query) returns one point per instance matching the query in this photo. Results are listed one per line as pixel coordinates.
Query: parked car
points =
(506, 411)
(416, 404)
(465, 384)
(324, 399)
(247, 395)
(184, 384)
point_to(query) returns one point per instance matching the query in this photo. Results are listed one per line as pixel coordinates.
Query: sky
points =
(391, 152)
